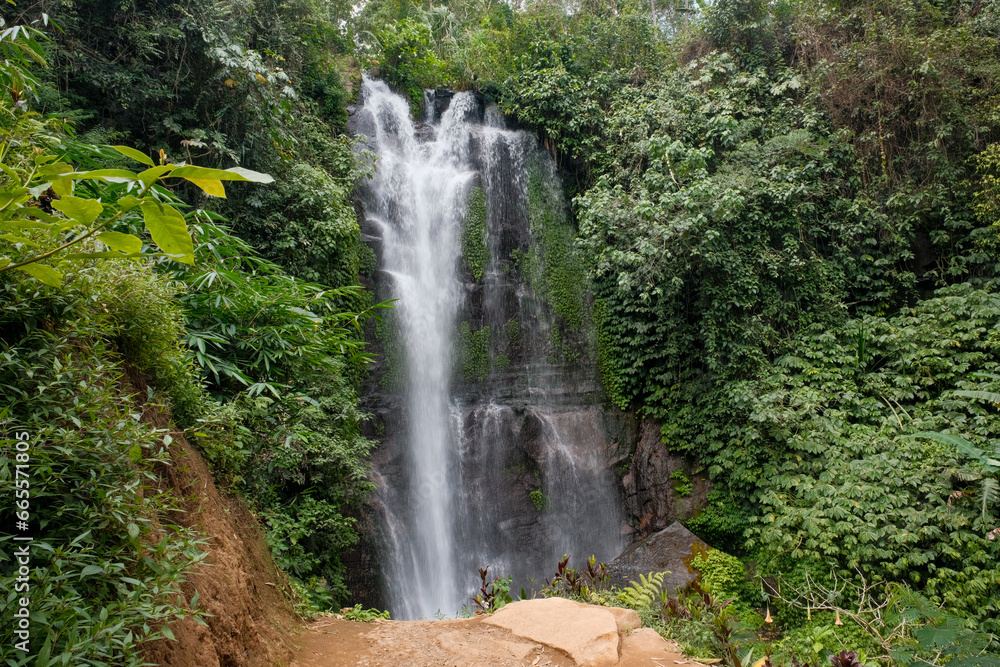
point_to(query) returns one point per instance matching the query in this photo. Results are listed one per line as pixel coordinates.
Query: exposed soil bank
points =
(251, 620)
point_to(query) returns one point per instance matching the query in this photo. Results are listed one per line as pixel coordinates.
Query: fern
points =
(990, 489)
(936, 631)
(642, 594)
(984, 660)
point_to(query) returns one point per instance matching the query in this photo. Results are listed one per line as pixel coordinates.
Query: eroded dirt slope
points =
(251, 623)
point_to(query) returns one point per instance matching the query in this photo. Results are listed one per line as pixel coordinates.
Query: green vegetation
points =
(387, 334)
(474, 352)
(403, 55)
(787, 213)
(493, 594)
(556, 272)
(725, 577)
(125, 293)
(513, 330)
(539, 500)
(106, 551)
(682, 483)
(356, 613)
(474, 249)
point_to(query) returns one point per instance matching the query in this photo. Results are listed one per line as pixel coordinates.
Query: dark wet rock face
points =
(661, 487)
(442, 98)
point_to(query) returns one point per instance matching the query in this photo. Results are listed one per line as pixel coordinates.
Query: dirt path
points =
(332, 642)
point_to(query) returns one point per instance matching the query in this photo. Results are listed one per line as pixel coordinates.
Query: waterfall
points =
(495, 450)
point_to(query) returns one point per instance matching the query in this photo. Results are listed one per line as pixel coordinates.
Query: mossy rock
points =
(475, 252)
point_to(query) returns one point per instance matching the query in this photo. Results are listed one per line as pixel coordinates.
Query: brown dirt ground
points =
(333, 642)
(237, 584)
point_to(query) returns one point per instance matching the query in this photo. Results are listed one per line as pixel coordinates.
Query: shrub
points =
(725, 577)
(106, 559)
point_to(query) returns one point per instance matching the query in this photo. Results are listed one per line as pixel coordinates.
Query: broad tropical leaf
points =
(82, 210)
(138, 156)
(43, 273)
(169, 230)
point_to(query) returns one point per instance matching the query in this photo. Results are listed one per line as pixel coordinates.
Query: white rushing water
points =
(449, 510)
(419, 193)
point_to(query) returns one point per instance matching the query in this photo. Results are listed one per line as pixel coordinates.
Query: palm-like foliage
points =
(985, 462)
(939, 637)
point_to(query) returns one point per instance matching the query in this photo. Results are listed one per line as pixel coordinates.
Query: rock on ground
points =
(550, 632)
(586, 633)
(669, 550)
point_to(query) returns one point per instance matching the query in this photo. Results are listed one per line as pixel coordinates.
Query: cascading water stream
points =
(455, 495)
(419, 197)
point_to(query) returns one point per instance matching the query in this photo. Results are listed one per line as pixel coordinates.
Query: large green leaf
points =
(169, 230)
(126, 243)
(946, 438)
(134, 154)
(114, 175)
(43, 273)
(78, 208)
(154, 174)
(990, 396)
(13, 238)
(90, 570)
(234, 174)
(210, 187)
(54, 169)
(62, 186)
(28, 223)
(963, 446)
(58, 172)
(128, 202)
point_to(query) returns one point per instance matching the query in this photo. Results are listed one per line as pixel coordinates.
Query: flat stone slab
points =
(468, 642)
(645, 648)
(586, 633)
(627, 619)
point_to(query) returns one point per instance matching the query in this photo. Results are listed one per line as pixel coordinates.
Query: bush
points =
(106, 560)
(406, 59)
(725, 577)
(143, 321)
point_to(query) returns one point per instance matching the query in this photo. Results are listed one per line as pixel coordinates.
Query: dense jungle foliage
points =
(134, 278)
(789, 213)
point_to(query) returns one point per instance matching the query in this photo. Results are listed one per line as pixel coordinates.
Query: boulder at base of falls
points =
(586, 633)
(669, 550)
